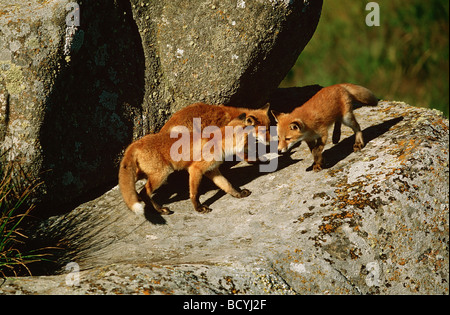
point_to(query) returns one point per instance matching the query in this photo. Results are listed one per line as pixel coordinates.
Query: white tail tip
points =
(138, 208)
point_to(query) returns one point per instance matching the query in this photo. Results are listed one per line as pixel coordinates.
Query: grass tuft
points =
(15, 206)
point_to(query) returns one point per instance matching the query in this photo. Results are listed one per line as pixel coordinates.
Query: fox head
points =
(290, 130)
(239, 130)
(259, 118)
(247, 120)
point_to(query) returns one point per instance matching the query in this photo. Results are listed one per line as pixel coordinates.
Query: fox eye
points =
(287, 139)
(298, 126)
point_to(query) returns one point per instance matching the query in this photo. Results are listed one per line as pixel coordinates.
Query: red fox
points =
(151, 157)
(213, 115)
(310, 122)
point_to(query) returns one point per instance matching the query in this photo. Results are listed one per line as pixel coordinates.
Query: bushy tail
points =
(127, 182)
(362, 95)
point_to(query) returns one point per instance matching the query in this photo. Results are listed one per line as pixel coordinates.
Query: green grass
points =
(14, 208)
(406, 58)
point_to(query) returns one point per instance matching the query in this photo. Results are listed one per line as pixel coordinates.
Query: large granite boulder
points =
(79, 80)
(219, 52)
(71, 93)
(373, 222)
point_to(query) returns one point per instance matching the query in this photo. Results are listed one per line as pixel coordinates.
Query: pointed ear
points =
(250, 120)
(297, 125)
(266, 107)
(242, 116)
(275, 114)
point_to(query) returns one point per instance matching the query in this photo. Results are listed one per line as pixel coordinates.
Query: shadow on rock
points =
(345, 147)
(285, 100)
(241, 176)
(90, 110)
(177, 188)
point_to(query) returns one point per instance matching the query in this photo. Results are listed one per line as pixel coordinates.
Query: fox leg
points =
(195, 177)
(225, 185)
(153, 183)
(316, 147)
(337, 130)
(350, 121)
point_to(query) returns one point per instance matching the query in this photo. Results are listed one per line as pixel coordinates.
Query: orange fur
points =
(149, 157)
(310, 122)
(217, 115)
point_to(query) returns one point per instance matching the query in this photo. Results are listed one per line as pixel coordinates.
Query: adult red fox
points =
(155, 157)
(310, 122)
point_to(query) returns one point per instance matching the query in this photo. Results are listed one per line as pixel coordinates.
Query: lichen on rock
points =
(372, 222)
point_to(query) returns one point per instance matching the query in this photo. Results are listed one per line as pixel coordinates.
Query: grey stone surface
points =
(72, 94)
(219, 52)
(373, 222)
(72, 97)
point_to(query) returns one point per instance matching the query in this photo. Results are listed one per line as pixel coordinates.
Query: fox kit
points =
(151, 158)
(220, 115)
(310, 122)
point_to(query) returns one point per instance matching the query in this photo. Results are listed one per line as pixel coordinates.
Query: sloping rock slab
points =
(373, 222)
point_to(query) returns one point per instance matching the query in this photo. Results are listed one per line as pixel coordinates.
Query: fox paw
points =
(165, 211)
(203, 209)
(317, 167)
(244, 193)
(357, 147)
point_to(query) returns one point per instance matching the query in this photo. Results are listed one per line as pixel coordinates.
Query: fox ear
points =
(297, 125)
(275, 114)
(266, 107)
(242, 116)
(250, 120)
